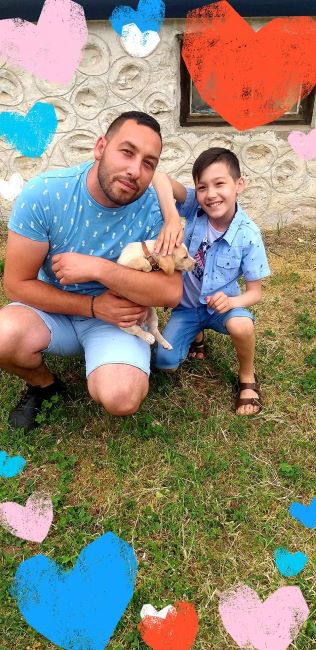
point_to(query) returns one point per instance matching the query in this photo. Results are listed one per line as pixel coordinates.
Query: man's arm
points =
(23, 260)
(24, 257)
(149, 289)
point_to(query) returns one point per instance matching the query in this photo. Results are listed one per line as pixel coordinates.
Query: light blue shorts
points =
(183, 326)
(100, 342)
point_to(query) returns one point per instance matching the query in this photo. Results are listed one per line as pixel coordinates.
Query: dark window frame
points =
(188, 119)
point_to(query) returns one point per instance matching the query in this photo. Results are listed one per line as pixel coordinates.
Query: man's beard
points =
(105, 185)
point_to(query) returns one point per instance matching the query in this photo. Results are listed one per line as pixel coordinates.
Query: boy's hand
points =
(220, 302)
(171, 235)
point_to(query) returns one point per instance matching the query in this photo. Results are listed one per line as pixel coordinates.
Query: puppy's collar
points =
(151, 257)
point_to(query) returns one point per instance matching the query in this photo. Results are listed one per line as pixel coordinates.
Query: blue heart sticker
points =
(306, 515)
(10, 465)
(31, 134)
(148, 16)
(289, 564)
(78, 609)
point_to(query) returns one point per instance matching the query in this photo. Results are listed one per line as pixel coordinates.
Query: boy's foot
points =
(25, 412)
(197, 348)
(248, 399)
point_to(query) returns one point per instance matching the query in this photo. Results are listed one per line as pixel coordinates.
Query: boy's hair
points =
(138, 117)
(213, 155)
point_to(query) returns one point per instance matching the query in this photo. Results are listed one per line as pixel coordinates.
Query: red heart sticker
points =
(177, 631)
(250, 78)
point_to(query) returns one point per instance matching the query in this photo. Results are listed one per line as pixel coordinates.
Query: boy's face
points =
(216, 192)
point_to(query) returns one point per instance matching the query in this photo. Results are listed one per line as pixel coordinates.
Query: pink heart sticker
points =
(304, 144)
(51, 49)
(272, 624)
(32, 521)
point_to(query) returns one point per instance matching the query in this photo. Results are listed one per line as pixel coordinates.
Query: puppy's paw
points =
(166, 345)
(149, 338)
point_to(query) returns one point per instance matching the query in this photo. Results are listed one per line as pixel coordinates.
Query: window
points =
(194, 111)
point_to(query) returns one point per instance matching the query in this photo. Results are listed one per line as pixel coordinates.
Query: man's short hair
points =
(138, 117)
(214, 155)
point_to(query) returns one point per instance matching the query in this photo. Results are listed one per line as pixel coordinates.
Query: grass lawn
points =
(201, 494)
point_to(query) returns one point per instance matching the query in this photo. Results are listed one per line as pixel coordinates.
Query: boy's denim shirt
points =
(239, 252)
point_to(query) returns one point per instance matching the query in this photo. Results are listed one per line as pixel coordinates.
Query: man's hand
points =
(118, 311)
(171, 235)
(71, 268)
(220, 302)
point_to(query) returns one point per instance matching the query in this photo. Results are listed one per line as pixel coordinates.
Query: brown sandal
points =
(197, 347)
(244, 401)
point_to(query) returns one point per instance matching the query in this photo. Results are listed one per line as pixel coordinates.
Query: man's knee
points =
(21, 332)
(120, 401)
(240, 327)
(11, 332)
(119, 398)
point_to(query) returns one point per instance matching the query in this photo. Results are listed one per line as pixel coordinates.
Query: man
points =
(67, 228)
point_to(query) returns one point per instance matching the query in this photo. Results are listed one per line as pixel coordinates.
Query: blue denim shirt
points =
(238, 253)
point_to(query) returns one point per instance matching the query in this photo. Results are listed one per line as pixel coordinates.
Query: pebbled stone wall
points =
(281, 188)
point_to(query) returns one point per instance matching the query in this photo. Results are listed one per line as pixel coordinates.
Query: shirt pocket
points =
(228, 266)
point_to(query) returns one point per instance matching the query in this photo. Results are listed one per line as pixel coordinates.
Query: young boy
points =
(226, 245)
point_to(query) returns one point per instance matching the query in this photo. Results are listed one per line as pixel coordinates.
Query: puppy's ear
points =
(167, 264)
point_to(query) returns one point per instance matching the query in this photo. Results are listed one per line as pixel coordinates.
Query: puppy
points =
(141, 256)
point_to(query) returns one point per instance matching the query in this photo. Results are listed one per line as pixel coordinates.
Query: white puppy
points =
(140, 256)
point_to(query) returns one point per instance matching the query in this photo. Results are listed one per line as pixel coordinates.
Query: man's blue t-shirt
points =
(56, 207)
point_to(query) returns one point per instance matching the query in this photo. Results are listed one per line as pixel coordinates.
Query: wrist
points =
(100, 269)
(92, 312)
(232, 302)
(87, 306)
(171, 215)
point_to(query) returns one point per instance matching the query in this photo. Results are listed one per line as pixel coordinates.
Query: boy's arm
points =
(222, 303)
(168, 190)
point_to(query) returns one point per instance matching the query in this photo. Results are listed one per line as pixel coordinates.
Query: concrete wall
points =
(281, 187)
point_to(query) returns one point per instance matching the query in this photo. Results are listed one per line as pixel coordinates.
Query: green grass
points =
(202, 495)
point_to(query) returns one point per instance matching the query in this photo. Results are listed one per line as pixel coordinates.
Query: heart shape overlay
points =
(273, 624)
(11, 189)
(10, 465)
(173, 628)
(32, 521)
(289, 564)
(51, 49)
(137, 43)
(31, 134)
(80, 608)
(306, 515)
(304, 144)
(148, 16)
(230, 64)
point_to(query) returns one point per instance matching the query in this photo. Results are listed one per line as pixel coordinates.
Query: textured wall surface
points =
(281, 188)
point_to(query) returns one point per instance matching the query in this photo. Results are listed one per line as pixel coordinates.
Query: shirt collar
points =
(233, 226)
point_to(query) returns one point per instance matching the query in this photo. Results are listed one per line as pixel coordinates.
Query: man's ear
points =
(166, 264)
(99, 147)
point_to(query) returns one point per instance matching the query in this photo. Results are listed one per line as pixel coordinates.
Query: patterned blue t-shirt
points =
(56, 207)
